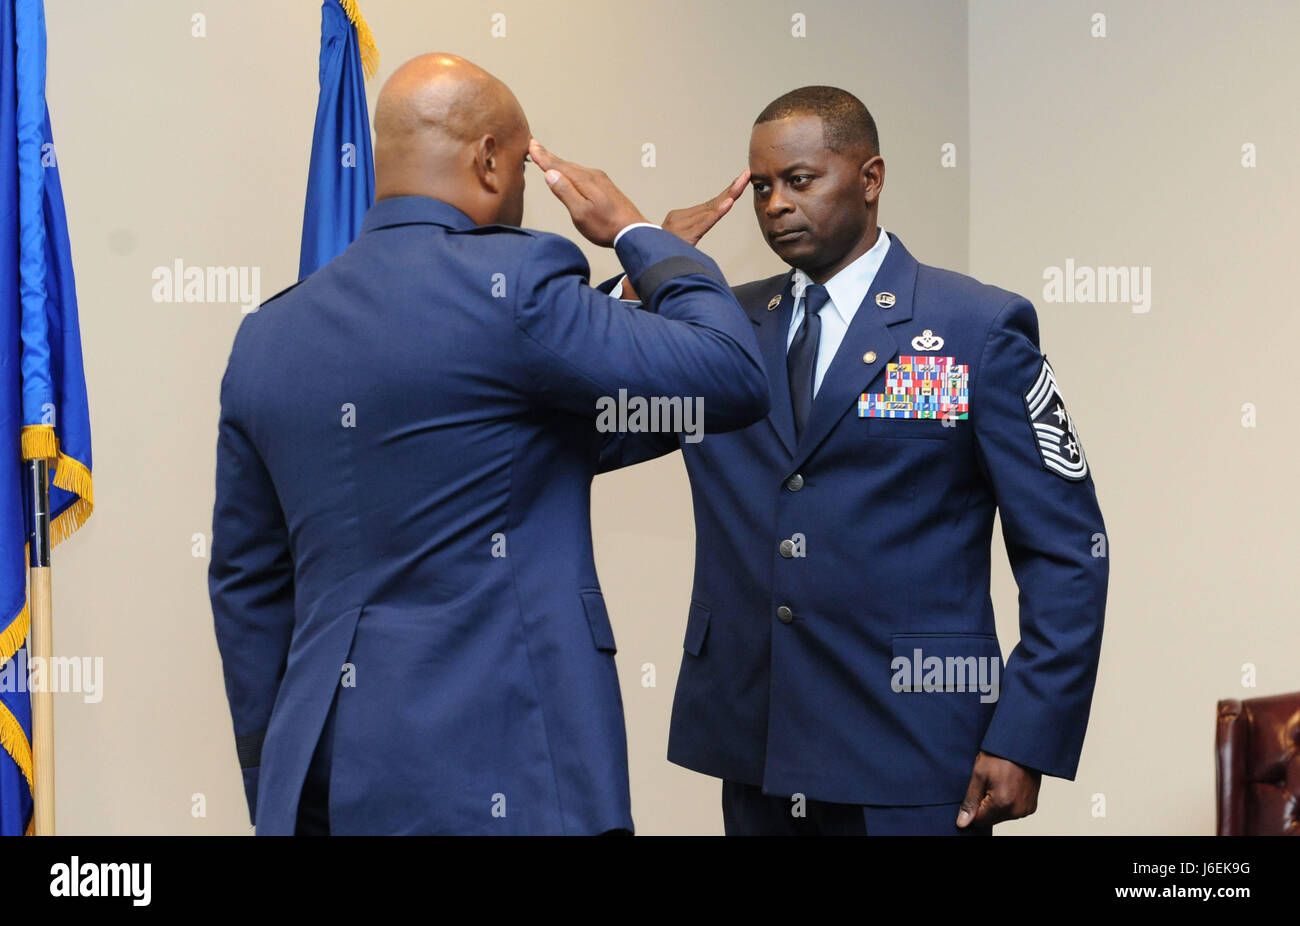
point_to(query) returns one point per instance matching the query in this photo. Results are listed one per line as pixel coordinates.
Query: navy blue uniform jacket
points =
(402, 518)
(790, 678)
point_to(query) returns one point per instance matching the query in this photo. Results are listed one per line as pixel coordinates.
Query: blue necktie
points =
(801, 359)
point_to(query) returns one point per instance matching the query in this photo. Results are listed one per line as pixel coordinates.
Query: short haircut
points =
(847, 126)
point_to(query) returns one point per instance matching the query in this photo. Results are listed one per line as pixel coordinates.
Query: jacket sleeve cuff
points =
(652, 257)
(249, 749)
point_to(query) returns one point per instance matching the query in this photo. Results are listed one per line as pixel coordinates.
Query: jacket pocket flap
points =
(602, 634)
(945, 644)
(697, 628)
(945, 661)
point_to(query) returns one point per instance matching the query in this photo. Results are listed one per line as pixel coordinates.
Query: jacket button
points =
(784, 614)
(787, 548)
(794, 483)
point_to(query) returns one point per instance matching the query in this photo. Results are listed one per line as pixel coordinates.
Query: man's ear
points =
(487, 163)
(873, 178)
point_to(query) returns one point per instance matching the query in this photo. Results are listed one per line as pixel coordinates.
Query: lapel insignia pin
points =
(885, 300)
(776, 301)
(927, 340)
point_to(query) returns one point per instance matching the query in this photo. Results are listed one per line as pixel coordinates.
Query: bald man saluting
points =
(412, 632)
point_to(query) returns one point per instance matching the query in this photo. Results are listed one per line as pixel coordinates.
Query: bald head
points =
(446, 128)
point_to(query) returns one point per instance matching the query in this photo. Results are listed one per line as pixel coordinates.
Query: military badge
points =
(1054, 431)
(927, 340)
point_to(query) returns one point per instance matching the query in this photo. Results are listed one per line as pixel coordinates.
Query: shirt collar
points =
(850, 286)
(414, 210)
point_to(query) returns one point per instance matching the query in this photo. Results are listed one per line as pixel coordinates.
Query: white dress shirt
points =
(846, 289)
(617, 291)
(624, 230)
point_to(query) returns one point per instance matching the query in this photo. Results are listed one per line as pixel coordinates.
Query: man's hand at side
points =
(999, 790)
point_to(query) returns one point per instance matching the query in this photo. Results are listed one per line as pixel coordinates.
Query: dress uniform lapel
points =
(854, 367)
(773, 323)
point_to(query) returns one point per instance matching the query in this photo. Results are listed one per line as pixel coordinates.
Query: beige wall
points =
(195, 148)
(1127, 151)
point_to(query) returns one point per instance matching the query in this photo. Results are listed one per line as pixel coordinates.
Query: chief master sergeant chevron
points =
(841, 671)
(406, 604)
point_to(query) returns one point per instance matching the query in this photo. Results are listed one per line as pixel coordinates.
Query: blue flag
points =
(341, 176)
(43, 408)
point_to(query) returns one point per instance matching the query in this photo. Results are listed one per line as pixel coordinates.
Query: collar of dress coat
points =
(414, 210)
(850, 286)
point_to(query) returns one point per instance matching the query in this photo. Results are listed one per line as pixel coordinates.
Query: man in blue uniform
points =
(411, 628)
(842, 672)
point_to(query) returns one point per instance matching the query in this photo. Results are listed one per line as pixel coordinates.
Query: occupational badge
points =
(927, 340)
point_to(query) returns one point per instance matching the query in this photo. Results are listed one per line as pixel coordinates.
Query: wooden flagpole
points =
(41, 648)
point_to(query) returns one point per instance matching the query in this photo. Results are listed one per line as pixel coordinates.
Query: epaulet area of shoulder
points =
(288, 288)
(970, 291)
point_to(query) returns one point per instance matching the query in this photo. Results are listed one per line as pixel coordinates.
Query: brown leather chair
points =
(1257, 759)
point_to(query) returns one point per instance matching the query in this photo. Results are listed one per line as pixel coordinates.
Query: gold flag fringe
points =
(70, 474)
(39, 442)
(12, 637)
(13, 739)
(365, 38)
(73, 476)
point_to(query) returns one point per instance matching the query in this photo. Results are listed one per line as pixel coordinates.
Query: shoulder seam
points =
(282, 292)
(988, 338)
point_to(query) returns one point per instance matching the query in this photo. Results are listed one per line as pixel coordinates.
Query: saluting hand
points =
(692, 223)
(999, 790)
(598, 208)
